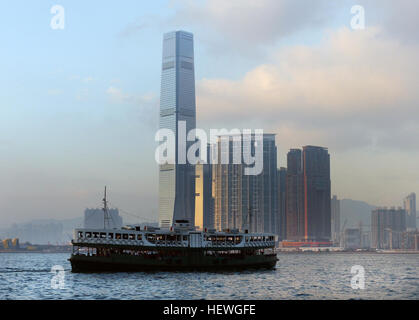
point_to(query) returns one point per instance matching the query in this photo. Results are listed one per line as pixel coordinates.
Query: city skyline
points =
(69, 99)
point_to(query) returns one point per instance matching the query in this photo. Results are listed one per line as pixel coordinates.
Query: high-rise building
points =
(387, 227)
(177, 107)
(317, 193)
(246, 201)
(281, 225)
(204, 201)
(294, 202)
(410, 207)
(335, 223)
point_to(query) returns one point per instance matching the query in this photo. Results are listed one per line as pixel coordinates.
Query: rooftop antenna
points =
(105, 211)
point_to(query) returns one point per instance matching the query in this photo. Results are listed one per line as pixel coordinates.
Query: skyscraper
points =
(294, 197)
(308, 211)
(335, 208)
(317, 193)
(177, 103)
(204, 201)
(410, 207)
(246, 201)
(281, 225)
(387, 226)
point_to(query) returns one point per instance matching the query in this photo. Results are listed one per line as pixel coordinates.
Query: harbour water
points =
(297, 276)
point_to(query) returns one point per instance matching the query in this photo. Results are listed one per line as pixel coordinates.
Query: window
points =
(95, 234)
(125, 236)
(140, 237)
(103, 235)
(132, 236)
(110, 235)
(80, 234)
(88, 234)
(118, 236)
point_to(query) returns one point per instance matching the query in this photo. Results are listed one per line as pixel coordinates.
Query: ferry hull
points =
(122, 263)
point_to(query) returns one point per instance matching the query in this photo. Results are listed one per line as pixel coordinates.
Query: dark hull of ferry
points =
(127, 263)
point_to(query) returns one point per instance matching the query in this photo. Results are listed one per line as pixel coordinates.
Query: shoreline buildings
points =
(177, 103)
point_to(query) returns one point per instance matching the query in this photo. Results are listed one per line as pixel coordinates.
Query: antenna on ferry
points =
(105, 211)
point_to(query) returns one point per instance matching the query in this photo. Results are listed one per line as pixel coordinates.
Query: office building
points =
(177, 104)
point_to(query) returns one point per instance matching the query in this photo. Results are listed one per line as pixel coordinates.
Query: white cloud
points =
(248, 23)
(354, 89)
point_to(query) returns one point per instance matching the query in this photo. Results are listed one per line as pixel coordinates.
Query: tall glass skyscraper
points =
(177, 103)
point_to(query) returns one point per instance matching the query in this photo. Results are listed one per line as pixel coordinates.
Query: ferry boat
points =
(182, 247)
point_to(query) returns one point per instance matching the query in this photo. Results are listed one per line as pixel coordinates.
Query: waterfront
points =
(298, 276)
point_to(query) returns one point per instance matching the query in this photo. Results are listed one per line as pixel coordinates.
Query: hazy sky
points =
(79, 106)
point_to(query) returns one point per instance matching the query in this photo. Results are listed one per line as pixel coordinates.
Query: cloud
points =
(397, 18)
(355, 89)
(144, 106)
(244, 22)
(131, 29)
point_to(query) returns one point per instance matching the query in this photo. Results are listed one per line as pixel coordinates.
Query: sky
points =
(79, 105)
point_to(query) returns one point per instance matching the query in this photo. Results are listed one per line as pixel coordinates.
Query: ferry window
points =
(103, 235)
(118, 236)
(132, 236)
(185, 238)
(110, 235)
(125, 236)
(230, 239)
(151, 237)
(88, 234)
(80, 234)
(95, 234)
(140, 237)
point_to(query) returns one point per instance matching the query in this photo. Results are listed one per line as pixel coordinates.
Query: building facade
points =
(335, 220)
(317, 193)
(387, 226)
(204, 201)
(177, 108)
(410, 207)
(281, 225)
(294, 196)
(246, 201)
